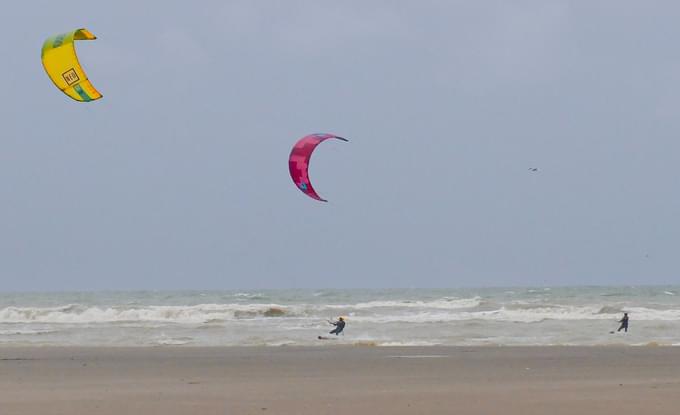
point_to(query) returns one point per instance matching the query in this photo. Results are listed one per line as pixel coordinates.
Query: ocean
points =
(395, 317)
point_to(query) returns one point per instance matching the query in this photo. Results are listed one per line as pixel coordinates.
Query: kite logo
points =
(70, 76)
(303, 187)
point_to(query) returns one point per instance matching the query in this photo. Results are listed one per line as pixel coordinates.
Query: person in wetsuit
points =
(339, 326)
(624, 323)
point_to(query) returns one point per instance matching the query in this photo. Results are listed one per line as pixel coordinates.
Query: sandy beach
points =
(340, 380)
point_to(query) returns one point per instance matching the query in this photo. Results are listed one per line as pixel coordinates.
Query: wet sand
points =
(340, 380)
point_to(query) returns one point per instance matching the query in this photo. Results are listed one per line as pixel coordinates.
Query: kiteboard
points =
(326, 338)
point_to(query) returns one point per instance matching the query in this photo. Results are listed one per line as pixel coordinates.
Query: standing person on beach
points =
(624, 323)
(339, 326)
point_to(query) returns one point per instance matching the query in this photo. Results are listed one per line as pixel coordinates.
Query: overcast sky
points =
(178, 177)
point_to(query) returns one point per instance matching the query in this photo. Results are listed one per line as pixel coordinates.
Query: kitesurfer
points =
(624, 323)
(339, 326)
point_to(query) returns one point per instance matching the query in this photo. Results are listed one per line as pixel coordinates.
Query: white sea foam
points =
(170, 341)
(76, 313)
(532, 315)
(250, 296)
(24, 332)
(369, 312)
(444, 303)
(570, 316)
(419, 356)
(414, 343)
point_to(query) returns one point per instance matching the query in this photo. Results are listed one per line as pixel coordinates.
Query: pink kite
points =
(298, 163)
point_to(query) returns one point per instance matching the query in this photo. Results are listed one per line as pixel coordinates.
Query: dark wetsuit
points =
(624, 323)
(339, 327)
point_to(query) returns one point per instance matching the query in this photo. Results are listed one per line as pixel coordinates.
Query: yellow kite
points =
(61, 63)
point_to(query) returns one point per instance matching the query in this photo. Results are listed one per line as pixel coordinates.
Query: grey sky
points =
(178, 177)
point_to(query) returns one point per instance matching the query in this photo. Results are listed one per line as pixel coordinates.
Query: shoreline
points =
(345, 345)
(358, 344)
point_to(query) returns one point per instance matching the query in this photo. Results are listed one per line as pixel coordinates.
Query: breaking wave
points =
(211, 313)
(75, 313)
(578, 316)
(393, 311)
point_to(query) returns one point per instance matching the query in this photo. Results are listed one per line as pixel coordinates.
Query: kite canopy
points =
(298, 162)
(62, 66)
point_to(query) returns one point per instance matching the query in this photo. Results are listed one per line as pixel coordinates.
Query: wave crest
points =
(198, 314)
